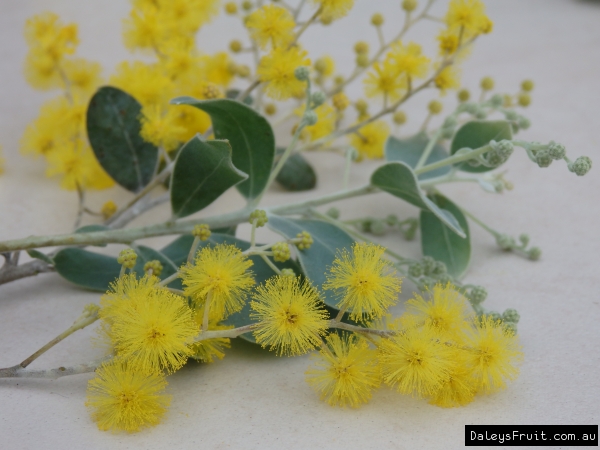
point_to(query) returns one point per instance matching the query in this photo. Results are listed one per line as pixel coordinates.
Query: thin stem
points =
(350, 152)
(83, 321)
(306, 25)
(169, 279)
(298, 9)
(193, 249)
(266, 259)
(20, 372)
(481, 223)
(176, 291)
(248, 91)
(432, 141)
(453, 159)
(81, 206)
(357, 329)
(341, 313)
(253, 233)
(231, 333)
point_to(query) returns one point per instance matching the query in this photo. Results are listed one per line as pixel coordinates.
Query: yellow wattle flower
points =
(384, 80)
(160, 128)
(122, 398)
(448, 78)
(370, 139)
(83, 75)
(468, 15)
(345, 372)
(457, 388)
(335, 9)
(364, 282)
(277, 70)
(290, 315)
(408, 60)
(223, 273)
(272, 25)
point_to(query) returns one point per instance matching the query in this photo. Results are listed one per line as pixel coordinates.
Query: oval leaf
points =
(410, 151)
(87, 269)
(399, 180)
(250, 135)
(440, 244)
(113, 128)
(317, 260)
(297, 174)
(202, 172)
(39, 255)
(476, 134)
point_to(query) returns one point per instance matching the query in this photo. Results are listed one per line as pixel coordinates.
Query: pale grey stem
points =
(19, 372)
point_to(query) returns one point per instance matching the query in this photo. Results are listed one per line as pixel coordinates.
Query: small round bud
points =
(339, 80)
(391, 220)
(524, 99)
(211, 91)
(154, 267)
(306, 240)
(247, 5)
(108, 209)
(439, 268)
(510, 328)
(556, 151)
(524, 239)
(444, 278)
(409, 5)
(470, 108)
(504, 148)
(243, 71)
(426, 283)
(487, 83)
(477, 295)
(527, 85)
(362, 60)
(511, 315)
(428, 265)
(523, 122)
(201, 231)
(415, 270)
(127, 258)
(361, 106)
(450, 122)
(480, 113)
(361, 48)
(326, 19)
(333, 212)
(260, 216)
(581, 166)
(231, 8)
(507, 101)
(377, 19)
(302, 73)
(496, 101)
(534, 253)
(288, 273)
(511, 115)
(318, 98)
(235, 46)
(310, 118)
(435, 107)
(399, 117)
(281, 252)
(320, 66)
(543, 158)
(378, 227)
(505, 242)
(340, 101)
(270, 109)
(463, 95)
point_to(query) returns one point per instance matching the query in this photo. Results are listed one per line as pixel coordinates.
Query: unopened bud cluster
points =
(306, 240)
(153, 267)
(259, 216)
(201, 231)
(127, 258)
(281, 252)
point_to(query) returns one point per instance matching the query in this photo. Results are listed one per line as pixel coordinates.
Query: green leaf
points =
(202, 172)
(316, 261)
(92, 228)
(410, 151)
(250, 135)
(234, 93)
(87, 269)
(39, 255)
(297, 174)
(440, 244)
(398, 179)
(476, 134)
(113, 127)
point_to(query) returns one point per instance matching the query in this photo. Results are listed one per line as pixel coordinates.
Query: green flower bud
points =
(439, 268)
(288, 273)
(487, 83)
(556, 151)
(494, 315)
(201, 231)
(415, 270)
(511, 315)
(527, 85)
(480, 113)
(477, 295)
(435, 107)
(260, 216)
(409, 5)
(155, 266)
(428, 265)
(505, 242)
(445, 278)
(306, 240)
(523, 122)
(127, 258)
(511, 115)
(496, 101)
(463, 95)
(510, 328)
(302, 73)
(504, 148)
(543, 158)
(310, 118)
(524, 239)
(378, 227)
(391, 220)
(318, 98)
(534, 253)
(426, 283)
(281, 252)
(581, 166)
(333, 212)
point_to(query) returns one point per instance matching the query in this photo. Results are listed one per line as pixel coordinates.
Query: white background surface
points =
(255, 400)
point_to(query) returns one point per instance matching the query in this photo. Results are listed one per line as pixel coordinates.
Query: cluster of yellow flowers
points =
(435, 350)
(59, 132)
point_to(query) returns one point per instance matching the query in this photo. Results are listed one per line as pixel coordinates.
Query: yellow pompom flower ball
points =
(277, 70)
(370, 139)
